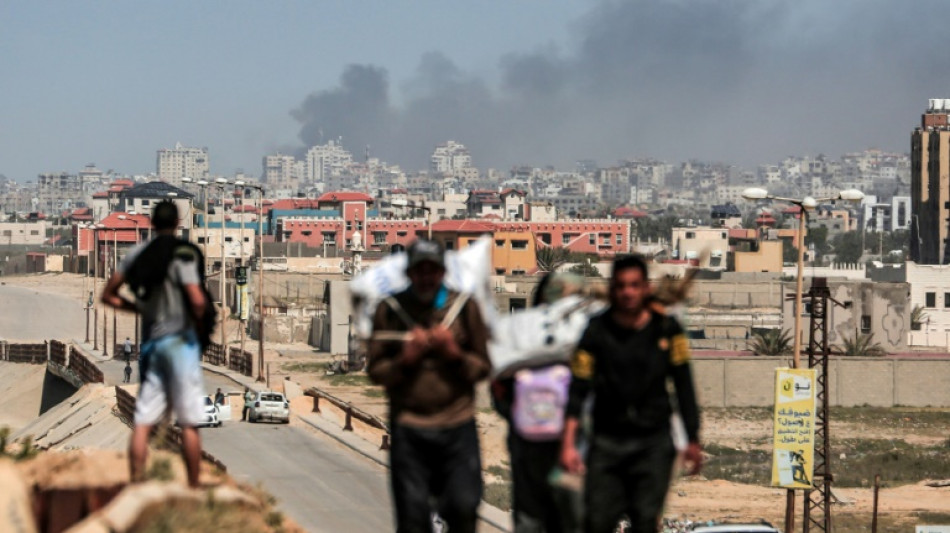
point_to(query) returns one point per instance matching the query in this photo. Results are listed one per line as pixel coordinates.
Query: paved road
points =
(29, 315)
(317, 482)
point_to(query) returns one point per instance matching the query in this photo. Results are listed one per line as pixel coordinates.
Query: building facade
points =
(182, 162)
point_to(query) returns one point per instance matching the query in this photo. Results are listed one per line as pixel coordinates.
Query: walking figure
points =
(128, 373)
(429, 349)
(165, 276)
(127, 350)
(625, 358)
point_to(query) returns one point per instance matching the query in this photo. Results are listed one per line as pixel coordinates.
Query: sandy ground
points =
(694, 498)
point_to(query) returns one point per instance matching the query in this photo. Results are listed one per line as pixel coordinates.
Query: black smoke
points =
(741, 81)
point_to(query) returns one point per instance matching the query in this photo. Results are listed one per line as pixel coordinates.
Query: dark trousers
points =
(435, 466)
(244, 412)
(628, 476)
(537, 506)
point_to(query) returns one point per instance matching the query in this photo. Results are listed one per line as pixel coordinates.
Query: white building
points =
(889, 216)
(282, 171)
(326, 160)
(28, 233)
(449, 157)
(182, 162)
(930, 289)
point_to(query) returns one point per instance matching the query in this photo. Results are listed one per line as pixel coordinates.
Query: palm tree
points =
(772, 342)
(550, 258)
(918, 317)
(861, 345)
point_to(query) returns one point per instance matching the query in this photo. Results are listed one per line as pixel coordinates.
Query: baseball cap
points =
(425, 250)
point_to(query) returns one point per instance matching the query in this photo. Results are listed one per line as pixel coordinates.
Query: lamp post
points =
(260, 279)
(221, 182)
(137, 236)
(95, 282)
(399, 202)
(204, 194)
(242, 288)
(805, 204)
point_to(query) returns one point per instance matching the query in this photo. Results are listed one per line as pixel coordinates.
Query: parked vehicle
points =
(210, 414)
(269, 405)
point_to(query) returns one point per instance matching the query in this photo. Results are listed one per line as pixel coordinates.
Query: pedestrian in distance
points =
(128, 373)
(429, 349)
(248, 400)
(219, 397)
(127, 350)
(625, 358)
(165, 277)
(530, 399)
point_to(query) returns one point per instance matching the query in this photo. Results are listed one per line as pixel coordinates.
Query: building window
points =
(329, 237)
(500, 243)
(379, 237)
(518, 272)
(401, 233)
(449, 245)
(517, 304)
(690, 235)
(593, 239)
(359, 225)
(566, 238)
(349, 225)
(545, 238)
(931, 299)
(619, 239)
(227, 239)
(946, 299)
(306, 233)
(519, 244)
(865, 324)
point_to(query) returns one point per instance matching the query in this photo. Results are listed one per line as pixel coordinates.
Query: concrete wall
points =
(857, 381)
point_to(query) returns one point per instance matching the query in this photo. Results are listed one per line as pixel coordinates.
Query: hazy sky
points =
(518, 81)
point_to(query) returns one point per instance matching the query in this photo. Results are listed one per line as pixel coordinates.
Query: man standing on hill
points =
(164, 276)
(625, 357)
(428, 349)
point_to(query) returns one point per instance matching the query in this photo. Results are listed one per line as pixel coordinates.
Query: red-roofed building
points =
(628, 212)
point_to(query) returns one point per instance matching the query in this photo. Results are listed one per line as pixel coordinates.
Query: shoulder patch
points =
(680, 353)
(582, 364)
(185, 253)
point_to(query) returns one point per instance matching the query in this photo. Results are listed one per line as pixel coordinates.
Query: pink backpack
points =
(540, 399)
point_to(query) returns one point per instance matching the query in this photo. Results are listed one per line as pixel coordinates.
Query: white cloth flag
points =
(467, 270)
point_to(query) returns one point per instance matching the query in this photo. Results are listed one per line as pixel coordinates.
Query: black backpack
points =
(150, 269)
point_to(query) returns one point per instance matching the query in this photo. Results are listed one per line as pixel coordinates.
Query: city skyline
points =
(534, 83)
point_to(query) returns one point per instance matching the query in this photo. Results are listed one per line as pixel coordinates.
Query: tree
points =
(789, 252)
(772, 342)
(861, 345)
(918, 317)
(654, 228)
(550, 258)
(585, 269)
(817, 238)
(847, 247)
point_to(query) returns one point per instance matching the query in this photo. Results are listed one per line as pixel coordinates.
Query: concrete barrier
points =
(36, 353)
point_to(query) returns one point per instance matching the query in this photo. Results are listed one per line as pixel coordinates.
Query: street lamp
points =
(399, 202)
(260, 279)
(806, 204)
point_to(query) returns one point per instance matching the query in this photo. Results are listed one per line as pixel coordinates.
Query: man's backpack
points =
(150, 269)
(540, 401)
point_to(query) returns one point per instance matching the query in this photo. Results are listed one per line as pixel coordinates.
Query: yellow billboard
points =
(793, 446)
(242, 300)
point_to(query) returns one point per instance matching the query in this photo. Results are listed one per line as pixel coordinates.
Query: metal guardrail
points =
(58, 352)
(214, 354)
(350, 412)
(242, 362)
(87, 371)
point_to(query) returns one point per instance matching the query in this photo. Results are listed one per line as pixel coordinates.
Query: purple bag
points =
(540, 399)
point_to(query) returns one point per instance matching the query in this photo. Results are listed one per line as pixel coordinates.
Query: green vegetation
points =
(499, 495)
(353, 379)
(772, 342)
(25, 451)
(860, 345)
(160, 470)
(316, 367)
(500, 472)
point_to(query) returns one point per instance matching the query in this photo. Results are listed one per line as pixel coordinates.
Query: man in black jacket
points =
(625, 357)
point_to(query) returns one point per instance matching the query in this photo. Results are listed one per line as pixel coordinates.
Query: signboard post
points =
(793, 446)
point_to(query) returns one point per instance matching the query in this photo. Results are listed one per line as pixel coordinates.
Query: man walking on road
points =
(248, 400)
(625, 357)
(428, 350)
(127, 350)
(164, 276)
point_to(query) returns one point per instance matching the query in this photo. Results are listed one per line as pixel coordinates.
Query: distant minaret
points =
(366, 154)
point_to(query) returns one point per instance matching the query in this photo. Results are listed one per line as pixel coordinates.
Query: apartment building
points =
(182, 162)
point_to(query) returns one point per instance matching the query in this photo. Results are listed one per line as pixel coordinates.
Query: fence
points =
(214, 354)
(87, 371)
(58, 351)
(242, 362)
(350, 413)
(26, 353)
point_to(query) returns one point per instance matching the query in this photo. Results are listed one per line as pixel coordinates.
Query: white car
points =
(269, 405)
(210, 414)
